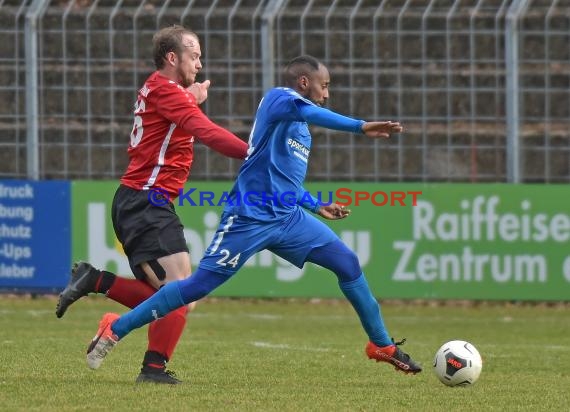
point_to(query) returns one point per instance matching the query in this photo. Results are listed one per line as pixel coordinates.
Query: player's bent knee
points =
(339, 259)
(354, 270)
(350, 268)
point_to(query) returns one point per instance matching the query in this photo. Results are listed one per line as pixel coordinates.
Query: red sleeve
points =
(179, 106)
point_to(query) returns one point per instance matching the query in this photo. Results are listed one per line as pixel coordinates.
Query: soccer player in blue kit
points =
(279, 148)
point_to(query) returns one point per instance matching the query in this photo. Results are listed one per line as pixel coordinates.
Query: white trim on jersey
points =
(161, 155)
(220, 235)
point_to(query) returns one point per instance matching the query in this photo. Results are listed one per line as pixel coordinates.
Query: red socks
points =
(129, 292)
(164, 333)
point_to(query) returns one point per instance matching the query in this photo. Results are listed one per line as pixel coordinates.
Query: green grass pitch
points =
(277, 355)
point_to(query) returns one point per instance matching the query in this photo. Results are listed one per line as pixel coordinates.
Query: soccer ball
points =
(457, 363)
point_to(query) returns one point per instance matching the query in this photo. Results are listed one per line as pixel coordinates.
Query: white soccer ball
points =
(457, 363)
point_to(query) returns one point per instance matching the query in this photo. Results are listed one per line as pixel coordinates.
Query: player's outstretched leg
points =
(380, 347)
(103, 342)
(84, 278)
(343, 262)
(170, 297)
(393, 355)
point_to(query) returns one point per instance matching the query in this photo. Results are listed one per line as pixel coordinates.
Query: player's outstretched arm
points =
(381, 129)
(175, 105)
(323, 117)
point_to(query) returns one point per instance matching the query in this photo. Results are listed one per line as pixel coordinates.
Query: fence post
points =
(32, 124)
(267, 45)
(512, 92)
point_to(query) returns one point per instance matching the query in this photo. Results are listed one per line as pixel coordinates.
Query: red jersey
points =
(167, 119)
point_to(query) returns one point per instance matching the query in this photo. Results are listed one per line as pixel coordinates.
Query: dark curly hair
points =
(299, 66)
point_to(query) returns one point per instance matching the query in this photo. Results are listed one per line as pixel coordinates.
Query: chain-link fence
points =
(481, 86)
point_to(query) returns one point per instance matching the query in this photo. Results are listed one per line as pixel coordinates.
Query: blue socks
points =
(170, 297)
(342, 261)
(200, 284)
(165, 300)
(176, 294)
(367, 308)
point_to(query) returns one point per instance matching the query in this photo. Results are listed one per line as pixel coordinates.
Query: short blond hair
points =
(166, 40)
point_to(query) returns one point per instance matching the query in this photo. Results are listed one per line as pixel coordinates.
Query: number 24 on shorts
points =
(223, 261)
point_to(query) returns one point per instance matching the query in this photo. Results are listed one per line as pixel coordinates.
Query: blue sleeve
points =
(279, 104)
(309, 202)
(320, 116)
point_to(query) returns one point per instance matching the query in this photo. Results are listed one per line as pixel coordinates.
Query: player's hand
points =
(381, 129)
(200, 90)
(334, 211)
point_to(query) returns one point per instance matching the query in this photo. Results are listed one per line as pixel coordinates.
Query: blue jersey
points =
(270, 181)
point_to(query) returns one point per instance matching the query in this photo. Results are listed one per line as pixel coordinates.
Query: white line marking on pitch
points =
(287, 347)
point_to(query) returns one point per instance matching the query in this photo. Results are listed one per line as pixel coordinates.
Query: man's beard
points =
(184, 81)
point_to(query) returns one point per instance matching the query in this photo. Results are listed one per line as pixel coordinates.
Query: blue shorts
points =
(238, 238)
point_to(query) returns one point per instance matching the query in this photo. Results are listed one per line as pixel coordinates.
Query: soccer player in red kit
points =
(167, 119)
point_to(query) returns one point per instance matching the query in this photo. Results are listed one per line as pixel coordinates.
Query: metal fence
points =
(482, 87)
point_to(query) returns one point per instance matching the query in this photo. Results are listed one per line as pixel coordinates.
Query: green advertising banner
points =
(437, 241)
